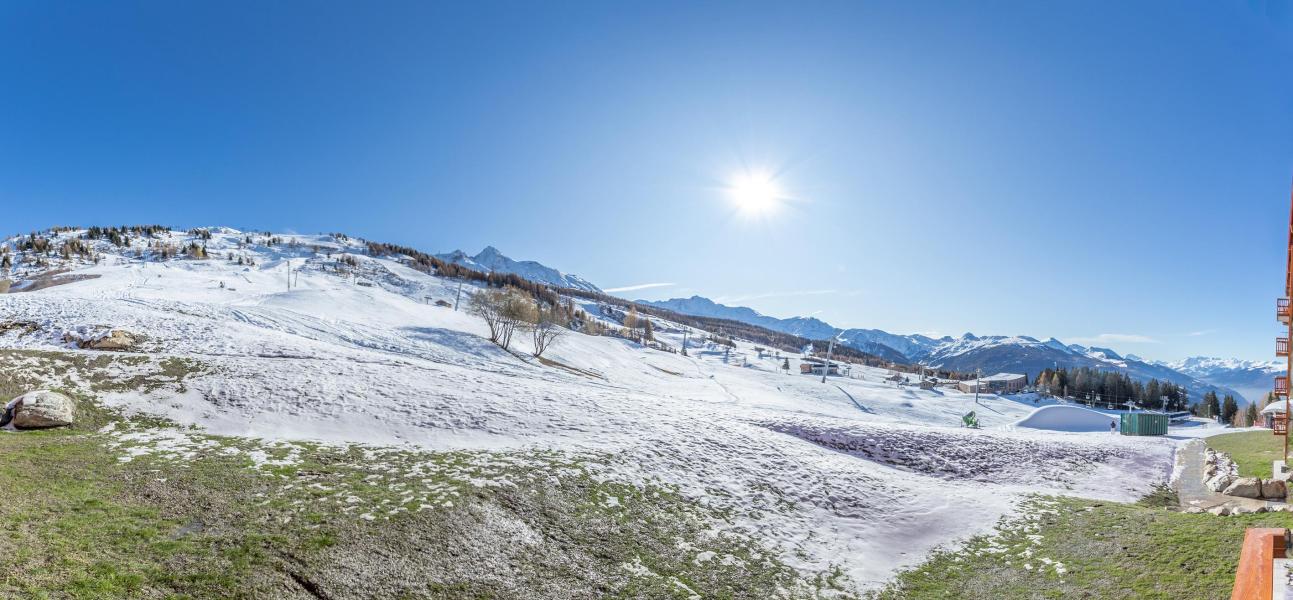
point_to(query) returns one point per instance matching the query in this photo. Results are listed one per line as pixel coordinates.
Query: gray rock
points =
(112, 339)
(1194, 510)
(1245, 487)
(1274, 489)
(115, 340)
(1220, 511)
(1219, 482)
(43, 408)
(1239, 510)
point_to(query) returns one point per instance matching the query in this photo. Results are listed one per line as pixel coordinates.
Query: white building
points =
(1001, 383)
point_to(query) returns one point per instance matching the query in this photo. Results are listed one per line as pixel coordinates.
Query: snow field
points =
(857, 473)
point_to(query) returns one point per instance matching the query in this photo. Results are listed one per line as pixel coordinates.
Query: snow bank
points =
(1067, 418)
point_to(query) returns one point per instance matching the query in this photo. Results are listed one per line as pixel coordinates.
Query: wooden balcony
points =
(1255, 579)
(1282, 310)
(1281, 385)
(1281, 346)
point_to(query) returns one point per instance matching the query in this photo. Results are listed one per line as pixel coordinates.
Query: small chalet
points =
(817, 366)
(1001, 383)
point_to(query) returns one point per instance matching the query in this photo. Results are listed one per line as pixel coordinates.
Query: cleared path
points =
(1190, 488)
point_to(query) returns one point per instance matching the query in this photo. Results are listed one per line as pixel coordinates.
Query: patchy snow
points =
(857, 472)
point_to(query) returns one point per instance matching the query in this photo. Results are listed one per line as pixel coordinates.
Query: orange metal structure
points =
(1255, 579)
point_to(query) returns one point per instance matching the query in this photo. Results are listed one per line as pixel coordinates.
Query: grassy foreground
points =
(1252, 451)
(1074, 548)
(121, 507)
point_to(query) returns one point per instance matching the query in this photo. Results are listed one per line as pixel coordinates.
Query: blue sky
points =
(1103, 172)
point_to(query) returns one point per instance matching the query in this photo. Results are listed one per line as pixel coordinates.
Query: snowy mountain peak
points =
(1105, 352)
(490, 259)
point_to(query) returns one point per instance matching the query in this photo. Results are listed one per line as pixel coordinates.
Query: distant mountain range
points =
(992, 354)
(491, 260)
(967, 353)
(1251, 378)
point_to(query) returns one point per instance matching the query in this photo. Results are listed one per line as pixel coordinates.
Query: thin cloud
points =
(1201, 332)
(1117, 338)
(748, 297)
(640, 286)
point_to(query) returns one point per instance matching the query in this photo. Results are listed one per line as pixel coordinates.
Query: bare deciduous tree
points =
(503, 311)
(545, 329)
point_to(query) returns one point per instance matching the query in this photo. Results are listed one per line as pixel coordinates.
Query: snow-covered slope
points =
(856, 473)
(491, 260)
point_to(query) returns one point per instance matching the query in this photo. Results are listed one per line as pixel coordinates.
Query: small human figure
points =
(1113, 427)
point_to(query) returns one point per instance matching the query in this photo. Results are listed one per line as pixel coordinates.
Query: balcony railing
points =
(1282, 310)
(1256, 575)
(1281, 385)
(1281, 346)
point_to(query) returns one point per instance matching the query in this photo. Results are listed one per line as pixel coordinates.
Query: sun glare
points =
(755, 192)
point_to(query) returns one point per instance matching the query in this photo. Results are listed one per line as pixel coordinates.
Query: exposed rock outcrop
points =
(1221, 474)
(1274, 489)
(1245, 487)
(108, 339)
(1219, 470)
(42, 409)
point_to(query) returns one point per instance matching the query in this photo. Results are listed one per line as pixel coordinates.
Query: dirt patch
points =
(22, 327)
(50, 279)
(952, 454)
(577, 371)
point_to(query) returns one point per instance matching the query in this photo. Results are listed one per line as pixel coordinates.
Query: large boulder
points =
(1274, 489)
(1245, 487)
(1219, 482)
(111, 340)
(40, 409)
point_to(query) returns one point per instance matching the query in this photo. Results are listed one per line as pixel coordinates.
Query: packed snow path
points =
(857, 472)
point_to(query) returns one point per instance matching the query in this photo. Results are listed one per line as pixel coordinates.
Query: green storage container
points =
(1144, 423)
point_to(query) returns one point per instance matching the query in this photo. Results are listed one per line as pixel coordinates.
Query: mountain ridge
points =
(490, 259)
(970, 352)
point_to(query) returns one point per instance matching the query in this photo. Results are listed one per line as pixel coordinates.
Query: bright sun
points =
(755, 192)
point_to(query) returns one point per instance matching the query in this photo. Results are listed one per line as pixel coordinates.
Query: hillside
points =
(371, 412)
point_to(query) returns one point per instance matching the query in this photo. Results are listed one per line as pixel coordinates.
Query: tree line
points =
(1091, 385)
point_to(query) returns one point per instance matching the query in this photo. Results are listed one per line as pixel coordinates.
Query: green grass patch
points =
(73, 532)
(126, 507)
(1252, 451)
(1075, 548)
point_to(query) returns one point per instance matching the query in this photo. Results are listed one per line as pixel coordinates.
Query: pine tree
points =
(1251, 416)
(1211, 407)
(1228, 409)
